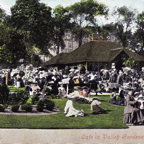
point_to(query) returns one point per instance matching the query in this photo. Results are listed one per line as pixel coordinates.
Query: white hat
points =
(76, 70)
(130, 93)
(71, 70)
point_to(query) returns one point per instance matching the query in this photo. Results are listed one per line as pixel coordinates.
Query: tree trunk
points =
(57, 48)
(80, 38)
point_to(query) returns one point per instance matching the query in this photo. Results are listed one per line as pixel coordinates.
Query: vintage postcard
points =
(71, 71)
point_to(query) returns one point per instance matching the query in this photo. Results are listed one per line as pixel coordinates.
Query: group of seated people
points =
(132, 113)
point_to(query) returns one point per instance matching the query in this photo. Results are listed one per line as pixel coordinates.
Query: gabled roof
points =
(115, 52)
(93, 51)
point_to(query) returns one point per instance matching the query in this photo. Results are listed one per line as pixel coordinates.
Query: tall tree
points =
(83, 14)
(12, 47)
(34, 18)
(124, 24)
(139, 34)
(2, 15)
(61, 24)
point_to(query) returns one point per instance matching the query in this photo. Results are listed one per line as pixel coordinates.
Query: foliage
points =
(125, 21)
(2, 108)
(40, 105)
(35, 19)
(35, 99)
(138, 36)
(49, 104)
(12, 47)
(2, 15)
(61, 22)
(22, 96)
(15, 108)
(130, 62)
(83, 14)
(29, 101)
(12, 99)
(40, 108)
(4, 94)
(27, 107)
(32, 57)
(41, 102)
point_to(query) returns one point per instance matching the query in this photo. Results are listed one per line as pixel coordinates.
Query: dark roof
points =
(93, 51)
(115, 52)
(57, 59)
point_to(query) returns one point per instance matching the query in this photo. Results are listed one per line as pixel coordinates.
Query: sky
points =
(111, 4)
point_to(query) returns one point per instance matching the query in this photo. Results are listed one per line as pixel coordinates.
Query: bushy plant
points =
(41, 102)
(2, 108)
(22, 96)
(4, 93)
(29, 101)
(12, 99)
(27, 107)
(35, 99)
(49, 104)
(15, 108)
(40, 108)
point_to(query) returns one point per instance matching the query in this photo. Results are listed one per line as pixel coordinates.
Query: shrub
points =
(27, 107)
(4, 93)
(2, 108)
(35, 99)
(49, 104)
(12, 99)
(29, 101)
(40, 108)
(15, 108)
(41, 102)
(21, 96)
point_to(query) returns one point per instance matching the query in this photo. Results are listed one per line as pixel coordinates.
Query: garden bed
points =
(34, 112)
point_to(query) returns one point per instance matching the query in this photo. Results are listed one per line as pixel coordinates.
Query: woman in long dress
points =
(132, 115)
(71, 110)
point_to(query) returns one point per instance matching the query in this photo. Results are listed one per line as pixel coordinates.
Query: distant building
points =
(71, 44)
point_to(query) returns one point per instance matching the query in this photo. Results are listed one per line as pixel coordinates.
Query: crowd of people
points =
(69, 82)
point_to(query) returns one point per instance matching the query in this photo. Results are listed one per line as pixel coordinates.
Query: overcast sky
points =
(134, 4)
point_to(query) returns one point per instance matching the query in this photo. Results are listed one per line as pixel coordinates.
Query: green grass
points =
(13, 89)
(112, 120)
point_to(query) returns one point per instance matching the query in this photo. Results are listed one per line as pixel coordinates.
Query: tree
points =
(34, 18)
(2, 15)
(83, 14)
(125, 23)
(4, 94)
(32, 57)
(130, 62)
(12, 47)
(139, 34)
(61, 24)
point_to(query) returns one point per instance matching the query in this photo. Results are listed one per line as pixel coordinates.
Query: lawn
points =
(112, 120)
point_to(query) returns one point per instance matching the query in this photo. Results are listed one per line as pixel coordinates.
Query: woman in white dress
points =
(71, 110)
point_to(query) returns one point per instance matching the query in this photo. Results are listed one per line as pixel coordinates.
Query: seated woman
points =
(62, 93)
(95, 107)
(132, 115)
(113, 99)
(71, 110)
(121, 98)
(84, 91)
